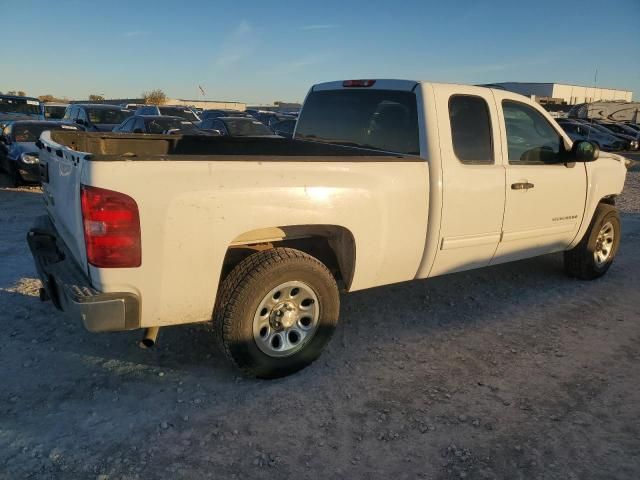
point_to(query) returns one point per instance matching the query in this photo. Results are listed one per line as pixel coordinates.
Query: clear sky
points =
(261, 51)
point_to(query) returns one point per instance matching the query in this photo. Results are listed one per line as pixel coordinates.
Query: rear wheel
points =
(593, 256)
(277, 310)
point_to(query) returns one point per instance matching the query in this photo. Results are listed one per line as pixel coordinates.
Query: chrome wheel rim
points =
(604, 244)
(286, 319)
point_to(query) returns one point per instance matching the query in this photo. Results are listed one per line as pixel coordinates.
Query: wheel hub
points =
(604, 244)
(286, 319)
(283, 316)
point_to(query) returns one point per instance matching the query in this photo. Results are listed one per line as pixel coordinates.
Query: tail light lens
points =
(111, 228)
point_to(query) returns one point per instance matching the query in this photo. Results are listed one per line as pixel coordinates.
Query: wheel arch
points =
(333, 245)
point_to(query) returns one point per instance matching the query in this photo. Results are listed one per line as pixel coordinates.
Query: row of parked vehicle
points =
(23, 119)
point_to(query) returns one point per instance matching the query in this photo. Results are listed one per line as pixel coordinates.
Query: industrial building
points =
(559, 93)
(204, 104)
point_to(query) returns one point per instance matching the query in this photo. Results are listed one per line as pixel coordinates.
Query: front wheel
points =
(593, 256)
(277, 310)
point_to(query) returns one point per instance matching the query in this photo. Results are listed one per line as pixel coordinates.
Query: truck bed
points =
(140, 147)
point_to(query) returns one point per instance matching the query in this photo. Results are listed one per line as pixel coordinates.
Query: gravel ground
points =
(510, 372)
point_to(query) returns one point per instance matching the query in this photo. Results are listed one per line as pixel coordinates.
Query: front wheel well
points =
(609, 200)
(333, 245)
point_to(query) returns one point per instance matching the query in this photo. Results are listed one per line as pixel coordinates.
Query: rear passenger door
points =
(473, 179)
(545, 198)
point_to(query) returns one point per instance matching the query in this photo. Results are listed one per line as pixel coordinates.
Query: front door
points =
(545, 198)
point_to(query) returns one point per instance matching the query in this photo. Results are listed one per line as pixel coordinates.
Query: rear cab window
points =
(376, 119)
(471, 129)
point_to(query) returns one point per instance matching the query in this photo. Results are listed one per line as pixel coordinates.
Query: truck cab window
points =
(530, 137)
(471, 129)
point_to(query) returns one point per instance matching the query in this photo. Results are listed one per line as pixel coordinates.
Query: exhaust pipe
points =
(149, 339)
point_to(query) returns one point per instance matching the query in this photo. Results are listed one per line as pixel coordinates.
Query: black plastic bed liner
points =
(136, 147)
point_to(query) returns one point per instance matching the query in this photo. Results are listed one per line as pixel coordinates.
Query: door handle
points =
(521, 186)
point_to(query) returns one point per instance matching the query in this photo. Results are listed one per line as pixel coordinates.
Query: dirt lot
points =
(511, 372)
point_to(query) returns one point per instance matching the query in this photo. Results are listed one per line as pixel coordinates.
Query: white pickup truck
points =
(385, 181)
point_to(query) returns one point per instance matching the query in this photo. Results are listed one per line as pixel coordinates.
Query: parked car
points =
(158, 124)
(13, 107)
(54, 111)
(623, 138)
(581, 131)
(237, 127)
(634, 126)
(18, 151)
(169, 110)
(623, 131)
(284, 128)
(96, 117)
(221, 112)
(269, 118)
(385, 181)
(133, 106)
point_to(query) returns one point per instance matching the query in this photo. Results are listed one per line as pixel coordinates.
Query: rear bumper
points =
(69, 288)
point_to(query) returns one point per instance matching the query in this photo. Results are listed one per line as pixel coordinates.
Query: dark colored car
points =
(222, 112)
(599, 128)
(269, 118)
(238, 127)
(584, 131)
(285, 128)
(54, 111)
(96, 117)
(18, 151)
(13, 107)
(624, 131)
(158, 124)
(170, 111)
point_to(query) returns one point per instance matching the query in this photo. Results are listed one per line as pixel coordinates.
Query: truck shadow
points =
(377, 318)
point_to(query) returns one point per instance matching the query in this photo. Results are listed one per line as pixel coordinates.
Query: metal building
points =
(560, 93)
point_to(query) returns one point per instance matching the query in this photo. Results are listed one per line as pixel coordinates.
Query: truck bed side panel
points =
(190, 211)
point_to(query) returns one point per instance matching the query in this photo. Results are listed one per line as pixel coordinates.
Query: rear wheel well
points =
(334, 246)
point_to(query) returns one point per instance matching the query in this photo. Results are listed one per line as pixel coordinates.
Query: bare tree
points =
(96, 98)
(154, 97)
(49, 98)
(22, 93)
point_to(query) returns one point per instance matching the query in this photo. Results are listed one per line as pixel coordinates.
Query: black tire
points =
(579, 262)
(247, 285)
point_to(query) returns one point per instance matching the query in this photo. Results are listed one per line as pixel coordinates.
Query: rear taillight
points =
(111, 228)
(358, 83)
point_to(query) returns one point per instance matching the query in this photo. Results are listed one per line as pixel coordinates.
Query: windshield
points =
(19, 105)
(179, 112)
(54, 112)
(377, 119)
(161, 125)
(30, 132)
(108, 115)
(245, 127)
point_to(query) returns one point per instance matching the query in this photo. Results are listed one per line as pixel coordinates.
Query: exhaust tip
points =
(149, 339)
(146, 343)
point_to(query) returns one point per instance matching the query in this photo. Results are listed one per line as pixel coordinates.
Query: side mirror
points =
(80, 121)
(137, 130)
(217, 132)
(585, 151)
